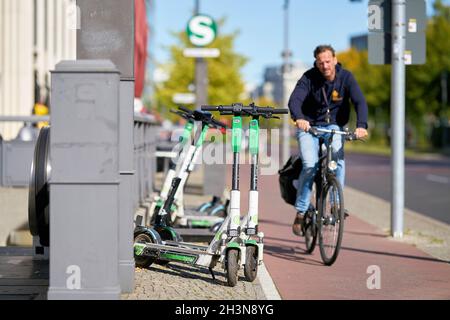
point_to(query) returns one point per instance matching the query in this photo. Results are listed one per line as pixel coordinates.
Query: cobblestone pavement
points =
(184, 282)
(178, 281)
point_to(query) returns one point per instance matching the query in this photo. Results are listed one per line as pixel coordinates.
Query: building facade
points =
(34, 36)
(359, 42)
(272, 86)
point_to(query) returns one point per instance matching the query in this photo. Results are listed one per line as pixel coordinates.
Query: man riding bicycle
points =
(321, 99)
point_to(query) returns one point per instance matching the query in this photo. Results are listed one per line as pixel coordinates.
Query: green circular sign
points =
(201, 30)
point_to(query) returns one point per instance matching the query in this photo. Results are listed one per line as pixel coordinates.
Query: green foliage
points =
(423, 88)
(375, 84)
(225, 83)
(423, 85)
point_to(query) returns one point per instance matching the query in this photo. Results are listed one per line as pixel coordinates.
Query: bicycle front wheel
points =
(331, 221)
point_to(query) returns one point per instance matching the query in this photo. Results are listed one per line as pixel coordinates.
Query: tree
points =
(423, 86)
(424, 105)
(375, 85)
(225, 81)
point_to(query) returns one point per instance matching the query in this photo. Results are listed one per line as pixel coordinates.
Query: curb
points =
(267, 284)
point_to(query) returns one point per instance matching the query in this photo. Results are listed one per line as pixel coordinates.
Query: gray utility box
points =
(84, 185)
(15, 162)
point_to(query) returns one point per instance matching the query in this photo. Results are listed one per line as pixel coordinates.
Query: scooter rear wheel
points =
(251, 264)
(143, 235)
(232, 266)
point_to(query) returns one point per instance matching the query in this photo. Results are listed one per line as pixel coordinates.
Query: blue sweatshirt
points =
(323, 102)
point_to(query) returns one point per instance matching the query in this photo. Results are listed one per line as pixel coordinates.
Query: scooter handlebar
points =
(250, 110)
(218, 124)
(182, 108)
(198, 116)
(181, 114)
(211, 108)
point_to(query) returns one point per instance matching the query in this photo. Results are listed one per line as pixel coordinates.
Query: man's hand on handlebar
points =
(303, 125)
(361, 133)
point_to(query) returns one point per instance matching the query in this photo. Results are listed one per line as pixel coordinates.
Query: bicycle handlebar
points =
(349, 136)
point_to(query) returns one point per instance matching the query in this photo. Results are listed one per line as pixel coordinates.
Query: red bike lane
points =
(370, 265)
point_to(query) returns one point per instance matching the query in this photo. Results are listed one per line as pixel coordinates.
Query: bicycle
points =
(326, 215)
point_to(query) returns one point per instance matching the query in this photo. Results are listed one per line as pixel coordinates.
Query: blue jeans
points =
(309, 153)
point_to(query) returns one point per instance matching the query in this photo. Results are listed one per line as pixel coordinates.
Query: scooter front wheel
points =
(251, 263)
(232, 266)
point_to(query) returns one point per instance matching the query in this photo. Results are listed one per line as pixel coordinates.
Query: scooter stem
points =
(235, 197)
(252, 216)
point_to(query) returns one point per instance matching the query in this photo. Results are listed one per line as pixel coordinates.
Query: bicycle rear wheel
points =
(331, 221)
(310, 233)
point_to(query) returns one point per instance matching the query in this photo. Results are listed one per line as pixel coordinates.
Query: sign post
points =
(397, 37)
(201, 30)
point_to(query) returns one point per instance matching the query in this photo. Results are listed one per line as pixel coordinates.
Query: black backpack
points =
(288, 174)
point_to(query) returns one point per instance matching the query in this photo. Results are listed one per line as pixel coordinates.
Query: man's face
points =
(326, 64)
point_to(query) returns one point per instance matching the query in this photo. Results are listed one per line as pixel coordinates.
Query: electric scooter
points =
(251, 246)
(163, 218)
(233, 243)
(182, 168)
(174, 167)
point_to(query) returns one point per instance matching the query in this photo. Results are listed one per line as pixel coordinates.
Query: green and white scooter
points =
(209, 213)
(248, 245)
(158, 200)
(233, 242)
(163, 221)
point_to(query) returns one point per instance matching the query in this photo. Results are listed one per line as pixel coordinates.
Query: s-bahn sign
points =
(201, 30)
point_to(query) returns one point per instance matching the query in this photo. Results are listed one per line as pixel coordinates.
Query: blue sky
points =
(260, 23)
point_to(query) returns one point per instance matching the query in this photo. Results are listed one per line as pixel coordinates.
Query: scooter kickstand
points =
(212, 273)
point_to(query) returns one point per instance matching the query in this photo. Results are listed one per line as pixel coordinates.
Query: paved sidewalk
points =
(428, 235)
(405, 271)
(416, 267)
(178, 281)
(184, 282)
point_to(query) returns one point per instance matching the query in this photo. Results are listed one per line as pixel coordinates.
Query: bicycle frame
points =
(323, 171)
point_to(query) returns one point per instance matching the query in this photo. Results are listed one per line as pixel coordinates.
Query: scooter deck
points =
(178, 247)
(195, 234)
(186, 244)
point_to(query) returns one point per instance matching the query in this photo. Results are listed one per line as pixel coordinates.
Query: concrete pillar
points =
(107, 32)
(126, 171)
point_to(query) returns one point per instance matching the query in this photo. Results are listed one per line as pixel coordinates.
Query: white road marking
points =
(438, 179)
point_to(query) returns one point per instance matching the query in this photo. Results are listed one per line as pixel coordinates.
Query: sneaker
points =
(297, 226)
(346, 214)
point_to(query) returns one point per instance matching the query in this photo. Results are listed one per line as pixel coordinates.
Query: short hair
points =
(323, 48)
